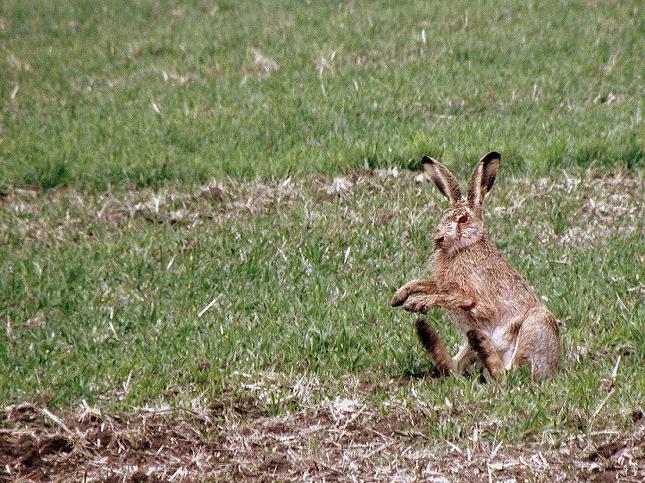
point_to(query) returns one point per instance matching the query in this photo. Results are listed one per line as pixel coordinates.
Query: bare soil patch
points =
(341, 439)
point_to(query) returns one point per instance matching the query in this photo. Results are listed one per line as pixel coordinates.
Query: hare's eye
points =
(463, 218)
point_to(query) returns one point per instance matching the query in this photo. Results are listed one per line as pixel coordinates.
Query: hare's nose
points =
(438, 240)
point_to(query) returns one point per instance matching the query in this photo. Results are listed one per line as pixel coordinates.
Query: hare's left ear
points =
(443, 179)
(482, 179)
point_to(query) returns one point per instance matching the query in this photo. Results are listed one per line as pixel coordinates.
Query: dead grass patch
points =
(601, 207)
(336, 439)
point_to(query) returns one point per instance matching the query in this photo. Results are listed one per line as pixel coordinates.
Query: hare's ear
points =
(482, 179)
(442, 178)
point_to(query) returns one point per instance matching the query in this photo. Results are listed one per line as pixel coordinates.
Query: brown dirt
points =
(334, 440)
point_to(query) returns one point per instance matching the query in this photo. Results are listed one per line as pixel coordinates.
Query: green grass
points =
(98, 292)
(358, 83)
(292, 302)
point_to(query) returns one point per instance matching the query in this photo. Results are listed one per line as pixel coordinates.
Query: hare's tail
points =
(431, 342)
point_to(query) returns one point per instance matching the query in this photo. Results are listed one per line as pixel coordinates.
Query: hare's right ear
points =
(482, 179)
(442, 178)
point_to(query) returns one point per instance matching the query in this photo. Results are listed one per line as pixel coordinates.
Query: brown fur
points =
(433, 346)
(502, 321)
(487, 354)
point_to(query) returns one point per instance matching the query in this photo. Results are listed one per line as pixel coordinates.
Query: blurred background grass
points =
(119, 93)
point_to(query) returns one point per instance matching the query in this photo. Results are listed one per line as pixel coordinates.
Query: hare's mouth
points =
(438, 242)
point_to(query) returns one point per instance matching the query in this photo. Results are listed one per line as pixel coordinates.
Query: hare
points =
(503, 323)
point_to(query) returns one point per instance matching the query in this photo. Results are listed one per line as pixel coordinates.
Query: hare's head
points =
(462, 224)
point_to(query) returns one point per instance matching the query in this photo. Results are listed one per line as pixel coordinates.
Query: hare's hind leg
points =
(489, 357)
(538, 344)
(434, 347)
(464, 358)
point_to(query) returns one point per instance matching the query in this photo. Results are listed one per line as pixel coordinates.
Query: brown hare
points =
(503, 322)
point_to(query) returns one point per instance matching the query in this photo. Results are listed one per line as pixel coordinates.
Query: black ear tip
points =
(427, 160)
(490, 157)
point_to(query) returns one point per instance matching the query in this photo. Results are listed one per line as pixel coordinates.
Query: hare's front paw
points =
(400, 296)
(413, 287)
(418, 304)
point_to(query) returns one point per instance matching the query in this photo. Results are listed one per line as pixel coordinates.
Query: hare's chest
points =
(461, 321)
(468, 278)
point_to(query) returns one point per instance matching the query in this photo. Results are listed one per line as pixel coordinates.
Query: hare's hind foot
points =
(482, 345)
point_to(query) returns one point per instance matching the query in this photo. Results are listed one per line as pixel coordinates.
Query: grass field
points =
(205, 209)
(147, 93)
